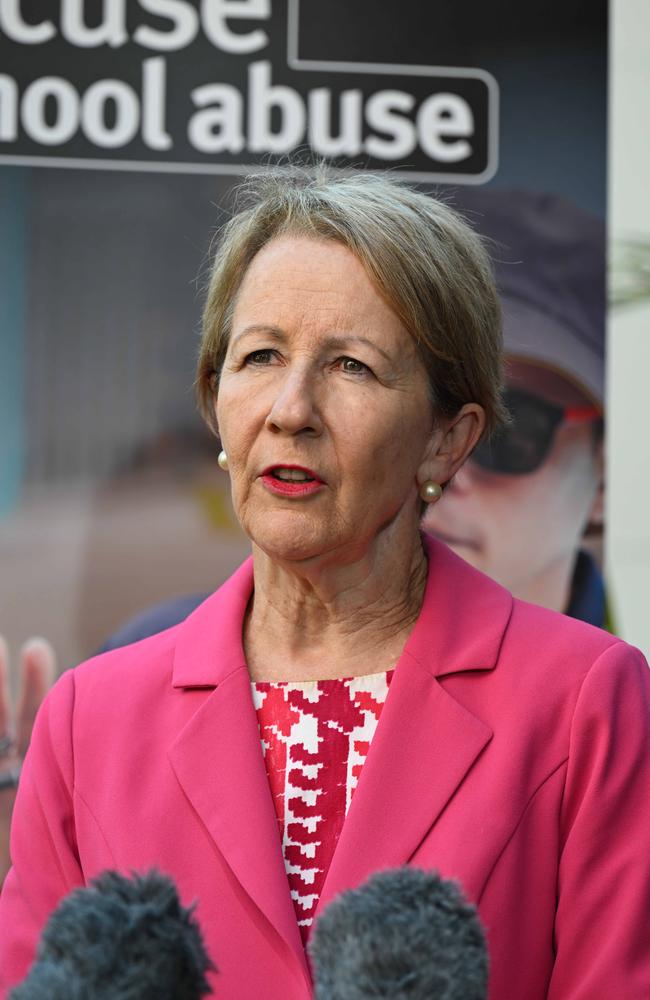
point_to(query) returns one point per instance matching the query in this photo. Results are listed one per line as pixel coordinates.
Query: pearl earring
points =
(222, 461)
(430, 492)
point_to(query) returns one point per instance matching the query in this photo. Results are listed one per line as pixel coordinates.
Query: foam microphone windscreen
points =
(405, 934)
(120, 939)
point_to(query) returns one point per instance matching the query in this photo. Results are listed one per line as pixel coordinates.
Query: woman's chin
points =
(290, 550)
(299, 536)
(291, 539)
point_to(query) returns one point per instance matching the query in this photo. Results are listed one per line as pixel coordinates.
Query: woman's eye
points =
(262, 357)
(353, 367)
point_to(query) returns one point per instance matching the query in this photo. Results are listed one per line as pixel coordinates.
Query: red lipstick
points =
(305, 485)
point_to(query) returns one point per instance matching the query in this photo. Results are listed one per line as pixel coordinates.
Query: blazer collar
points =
(460, 627)
(209, 645)
(463, 617)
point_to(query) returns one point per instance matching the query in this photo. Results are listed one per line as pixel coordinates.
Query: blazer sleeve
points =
(45, 865)
(602, 929)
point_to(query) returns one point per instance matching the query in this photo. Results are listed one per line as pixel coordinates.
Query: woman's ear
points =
(452, 441)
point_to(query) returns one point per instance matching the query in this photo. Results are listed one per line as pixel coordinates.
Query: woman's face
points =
(323, 406)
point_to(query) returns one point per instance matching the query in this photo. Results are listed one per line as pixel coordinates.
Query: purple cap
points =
(549, 261)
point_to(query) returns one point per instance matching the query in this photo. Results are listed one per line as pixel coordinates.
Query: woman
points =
(350, 363)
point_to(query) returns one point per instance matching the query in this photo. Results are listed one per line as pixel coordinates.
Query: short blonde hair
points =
(425, 260)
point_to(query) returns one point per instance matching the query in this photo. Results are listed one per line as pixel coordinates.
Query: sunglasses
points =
(523, 445)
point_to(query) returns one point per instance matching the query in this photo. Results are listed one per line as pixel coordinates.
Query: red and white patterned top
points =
(315, 738)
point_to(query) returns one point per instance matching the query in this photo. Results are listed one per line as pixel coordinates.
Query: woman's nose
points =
(294, 408)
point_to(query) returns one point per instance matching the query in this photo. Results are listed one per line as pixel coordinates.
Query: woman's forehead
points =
(301, 280)
(318, 262)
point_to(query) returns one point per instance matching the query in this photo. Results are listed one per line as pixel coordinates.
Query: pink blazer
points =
(512, 755)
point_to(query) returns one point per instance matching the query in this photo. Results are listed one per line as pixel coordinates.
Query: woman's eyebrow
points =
(336, 342)
(273, 331)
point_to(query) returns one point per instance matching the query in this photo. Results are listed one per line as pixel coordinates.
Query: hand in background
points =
(37, 669)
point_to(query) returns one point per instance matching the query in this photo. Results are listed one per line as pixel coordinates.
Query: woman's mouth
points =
(291, 480)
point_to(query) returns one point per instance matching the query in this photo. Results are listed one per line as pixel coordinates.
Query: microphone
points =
(120, 939)
(405, 934)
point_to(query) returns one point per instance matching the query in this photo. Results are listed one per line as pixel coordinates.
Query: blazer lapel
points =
(218, 760)
(424, 745)
(426, 740)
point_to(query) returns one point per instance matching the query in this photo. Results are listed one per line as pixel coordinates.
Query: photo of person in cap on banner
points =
(521, 508)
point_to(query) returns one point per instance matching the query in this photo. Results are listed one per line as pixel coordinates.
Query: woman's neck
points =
(318, 619)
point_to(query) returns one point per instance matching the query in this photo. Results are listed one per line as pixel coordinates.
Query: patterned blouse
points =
(315, 738)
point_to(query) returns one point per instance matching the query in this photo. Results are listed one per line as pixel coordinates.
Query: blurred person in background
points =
(521, 507)
(36, 673)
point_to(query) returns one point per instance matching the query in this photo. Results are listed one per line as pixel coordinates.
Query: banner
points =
(123, 126)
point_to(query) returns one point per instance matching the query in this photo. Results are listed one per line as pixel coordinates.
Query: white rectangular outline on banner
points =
(296, 63)
(403, 69)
